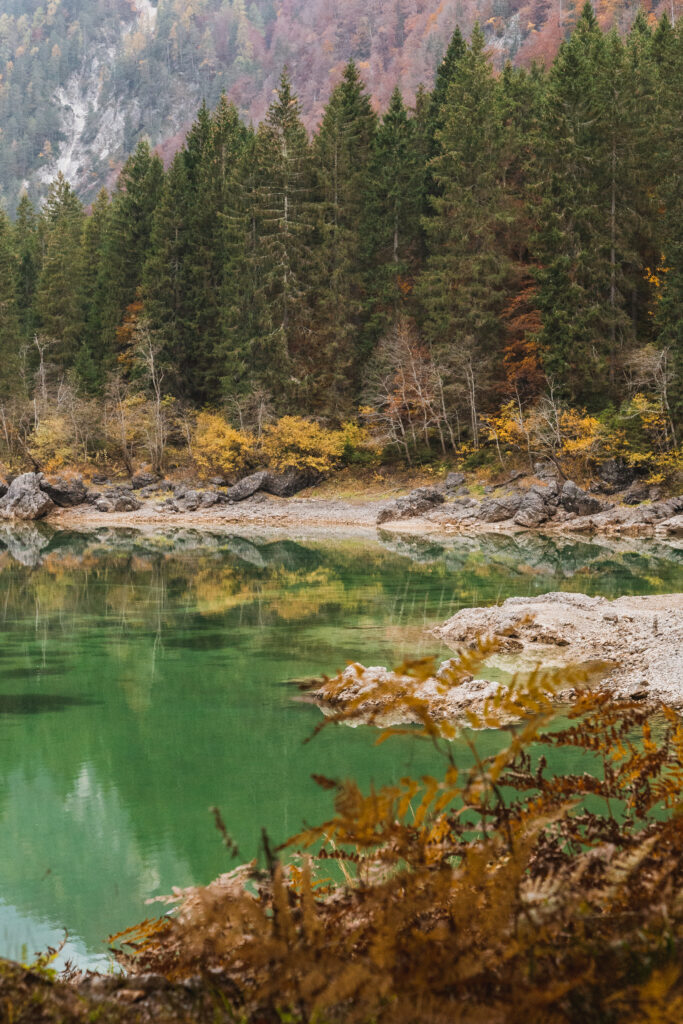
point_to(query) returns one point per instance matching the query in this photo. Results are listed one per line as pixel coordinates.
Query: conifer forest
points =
(436, 273)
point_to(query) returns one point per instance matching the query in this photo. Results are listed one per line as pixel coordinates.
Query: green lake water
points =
(143, 679)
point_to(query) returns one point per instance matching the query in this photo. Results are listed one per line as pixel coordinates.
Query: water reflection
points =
(141, 682)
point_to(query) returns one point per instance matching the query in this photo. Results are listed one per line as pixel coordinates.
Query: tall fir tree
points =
(464, 285)
(27, 247)
(92, 359)
(135, 199)
(10, 330)
(60, 285)
(392, 218)
(342, 152)
(281, 220)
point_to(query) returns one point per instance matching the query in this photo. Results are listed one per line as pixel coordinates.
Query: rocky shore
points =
(274, 500)
(637, 641)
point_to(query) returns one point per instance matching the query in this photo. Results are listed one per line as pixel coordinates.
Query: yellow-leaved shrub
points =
(296, 443)
(220, 448)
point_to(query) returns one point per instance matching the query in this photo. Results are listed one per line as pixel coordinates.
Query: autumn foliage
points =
(491, 892)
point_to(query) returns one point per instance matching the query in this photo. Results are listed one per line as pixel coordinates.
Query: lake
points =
(144, 677)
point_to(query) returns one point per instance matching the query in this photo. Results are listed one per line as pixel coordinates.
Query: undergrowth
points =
(488, 893)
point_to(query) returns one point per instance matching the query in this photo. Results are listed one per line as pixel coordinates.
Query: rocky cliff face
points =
(81, 81)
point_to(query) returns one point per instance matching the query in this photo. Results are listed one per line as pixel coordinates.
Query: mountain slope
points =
(81, 81)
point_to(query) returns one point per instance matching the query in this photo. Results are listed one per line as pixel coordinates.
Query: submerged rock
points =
(25, 499)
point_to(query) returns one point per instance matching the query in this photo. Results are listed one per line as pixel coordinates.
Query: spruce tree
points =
(60, 285)
(10, 331)
(279, 218)
(463, 287)
(342, 151)
(166, 290)
(26, 244)
(135, 199)
(92, 359)
(392, 217)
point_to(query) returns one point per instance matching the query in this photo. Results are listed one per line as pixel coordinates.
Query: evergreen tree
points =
(463, 287)
(392, 217)
(26, 244)
(137, 194)
(60, 285)
(594, 209)
(167, 273)
(276, 218)
(10, 333)
(342, 151)
(92, 359)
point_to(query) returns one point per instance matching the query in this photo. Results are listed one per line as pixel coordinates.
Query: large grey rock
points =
(573, 499)
(144, 478)
(126, 503)
(637, 492)
(25, 499)
(615, 475)
(417, 503)
(67, 492)
(454, 480)
(289, 483)
(534, 509)
(248, 486)
(498, 510)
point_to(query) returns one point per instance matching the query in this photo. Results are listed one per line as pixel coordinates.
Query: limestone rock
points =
(533, 510)
(498, 510)
(573, 499)
(417, 503)
(67, 492)
(25, 499)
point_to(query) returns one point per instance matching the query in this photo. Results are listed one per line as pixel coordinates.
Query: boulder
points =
(637, 492)
(143, 478)
(289, 483)
(534, 508)
(615, 475)
(454, 480)
(67, 492)
(126, 503)
(282, 485)
(672, 527)
(246, 487)
(189, 502)
(573, 499)
(25, 499)
(417, 503)
(498, 510)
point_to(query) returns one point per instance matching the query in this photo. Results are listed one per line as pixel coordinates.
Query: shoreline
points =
(342, 515)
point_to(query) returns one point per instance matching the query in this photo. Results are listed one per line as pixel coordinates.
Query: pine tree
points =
(342, 151)
(26, 245)
(463, 287)
(137, 194)
(92, 359)
(392, 217)
(167, 293)
(10, 332)
(594, 209)
(280, 219)
(60, 285)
